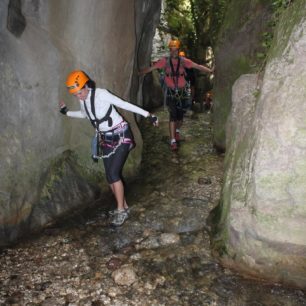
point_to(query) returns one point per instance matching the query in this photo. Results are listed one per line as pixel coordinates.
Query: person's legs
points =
(172, 128)
(179, 123)
(171, 102)
(118, 191)
(172, 131)
(113, 169)
(176, 115)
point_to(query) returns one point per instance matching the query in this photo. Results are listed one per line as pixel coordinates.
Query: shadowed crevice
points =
(16, 22)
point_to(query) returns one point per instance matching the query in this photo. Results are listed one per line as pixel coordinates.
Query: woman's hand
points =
(153, 119)
(63, 107)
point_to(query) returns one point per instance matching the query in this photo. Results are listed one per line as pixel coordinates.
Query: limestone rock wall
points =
(239, 42)
(45, 162)
(262, 215)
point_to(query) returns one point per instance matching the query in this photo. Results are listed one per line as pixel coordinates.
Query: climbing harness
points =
(96, 122)
(180, 95)
(112, 139)
(109, 139)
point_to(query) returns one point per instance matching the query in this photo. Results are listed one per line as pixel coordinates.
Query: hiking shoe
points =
(173, 146)
(177, 136)
(113, 212)
(119, 217)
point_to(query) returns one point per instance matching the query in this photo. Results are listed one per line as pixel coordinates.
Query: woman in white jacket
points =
(114, 135)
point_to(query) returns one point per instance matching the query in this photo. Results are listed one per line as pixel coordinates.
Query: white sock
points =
(173, 140)
(177, 130)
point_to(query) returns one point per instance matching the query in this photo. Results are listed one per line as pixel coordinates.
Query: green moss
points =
(274, 179)
(54, 175)
(240, 16)
(234, 18)
(219, 231)
(239, 66)
(230, 193)
(222, 103)
(256, 94)
(59, 168)
(265, 218)
(242, 65)
(289, 17)
(48, 188)
(84, 165)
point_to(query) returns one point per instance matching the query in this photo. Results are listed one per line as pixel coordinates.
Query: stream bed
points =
(160, 256)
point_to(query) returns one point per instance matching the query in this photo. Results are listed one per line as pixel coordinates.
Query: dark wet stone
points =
(97, 303)
(16, 22)
(114, 263)
(193, 202)
(204, 181)
(13, 276)
(43, 286)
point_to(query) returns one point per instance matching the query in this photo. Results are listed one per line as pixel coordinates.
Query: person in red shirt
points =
(175, 80)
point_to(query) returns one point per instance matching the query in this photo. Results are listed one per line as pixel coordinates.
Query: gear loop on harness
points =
(114, 138)
(179, 95)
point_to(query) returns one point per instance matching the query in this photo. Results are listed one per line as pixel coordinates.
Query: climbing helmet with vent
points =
(76, 80)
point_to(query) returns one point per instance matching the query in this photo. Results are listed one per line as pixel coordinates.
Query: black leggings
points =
(175, 113)
(113, 164)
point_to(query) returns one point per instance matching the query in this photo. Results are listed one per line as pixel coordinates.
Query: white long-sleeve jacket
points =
(103, 100)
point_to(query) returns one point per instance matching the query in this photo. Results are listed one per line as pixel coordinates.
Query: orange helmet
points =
(182, 53)
(76, 80)
(174, 43)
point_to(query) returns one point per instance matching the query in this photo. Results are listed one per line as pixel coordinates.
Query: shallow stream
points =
(160, 256)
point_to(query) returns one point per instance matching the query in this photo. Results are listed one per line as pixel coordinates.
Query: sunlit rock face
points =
(263, 207)
(46, 169)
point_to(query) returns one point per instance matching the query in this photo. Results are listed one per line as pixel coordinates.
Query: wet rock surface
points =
(160, 256)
